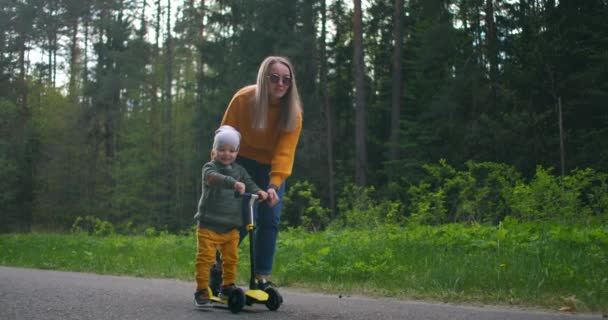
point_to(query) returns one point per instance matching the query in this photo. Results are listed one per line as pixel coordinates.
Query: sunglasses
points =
(275, 78)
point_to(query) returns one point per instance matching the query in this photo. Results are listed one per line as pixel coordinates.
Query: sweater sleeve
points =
(284, 154)
(213, 178)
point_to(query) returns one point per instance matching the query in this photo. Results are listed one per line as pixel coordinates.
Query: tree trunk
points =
(22, 79)
(26, 193)
(74, 61)
(154, 82)
(200, 72)
(327, 112)
(143, 26)
(51, 33)
(360, 135)
(54, 77)
(85, 69)
(562, 152)
(167, 123)
(492, 52)
(397, 86)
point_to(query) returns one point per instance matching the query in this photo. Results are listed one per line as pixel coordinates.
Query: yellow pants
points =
(208, 242)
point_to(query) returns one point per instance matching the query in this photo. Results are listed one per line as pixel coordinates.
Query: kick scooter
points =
(270, 296)
(238, 298)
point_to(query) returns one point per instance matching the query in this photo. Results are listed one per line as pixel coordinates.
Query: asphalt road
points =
(41, 294)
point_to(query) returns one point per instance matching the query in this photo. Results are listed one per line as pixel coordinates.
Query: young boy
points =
(219, 213)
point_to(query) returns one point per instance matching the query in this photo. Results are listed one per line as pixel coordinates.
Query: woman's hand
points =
(273, 197)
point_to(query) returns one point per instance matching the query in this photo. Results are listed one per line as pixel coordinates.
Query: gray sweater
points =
(218, 208)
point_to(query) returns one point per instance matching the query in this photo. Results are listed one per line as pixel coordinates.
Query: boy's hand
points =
(263, 195)
(239, 187)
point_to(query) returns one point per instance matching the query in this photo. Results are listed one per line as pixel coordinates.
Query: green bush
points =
(488, 192)
(427, 206)
(484, 199)
(363, 208)
(591, 189)
(477, 194)
(579, 197)
(93, 226)
(302, 208)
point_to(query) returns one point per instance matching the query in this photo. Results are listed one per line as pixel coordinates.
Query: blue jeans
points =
(267, 218)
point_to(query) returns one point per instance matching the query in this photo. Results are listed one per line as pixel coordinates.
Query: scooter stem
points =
(250, 226)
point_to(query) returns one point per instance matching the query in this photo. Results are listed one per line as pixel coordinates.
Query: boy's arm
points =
(213, 178)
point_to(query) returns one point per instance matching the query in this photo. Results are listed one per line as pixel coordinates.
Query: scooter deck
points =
(258, 295)
(218, 299)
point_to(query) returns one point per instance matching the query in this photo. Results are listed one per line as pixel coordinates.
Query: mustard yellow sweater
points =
(269, 146)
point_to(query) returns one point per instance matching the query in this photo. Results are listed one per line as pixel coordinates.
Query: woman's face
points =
(279, 80)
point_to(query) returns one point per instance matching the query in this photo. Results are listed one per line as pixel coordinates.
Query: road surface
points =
(41, 294)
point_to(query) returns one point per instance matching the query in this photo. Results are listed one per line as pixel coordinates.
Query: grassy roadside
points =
(541, 265)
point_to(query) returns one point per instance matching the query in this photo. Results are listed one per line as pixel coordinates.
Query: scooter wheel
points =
(274, 299)
(236, 300)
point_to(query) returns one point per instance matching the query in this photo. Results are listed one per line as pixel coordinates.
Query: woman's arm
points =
(284, 154)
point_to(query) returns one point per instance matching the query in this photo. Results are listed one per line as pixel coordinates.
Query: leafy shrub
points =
(477, 194)
(302, 208)
(485, 199)
(361, 208)
(575, 198)
(540, 199)
(150, 232)
(591, 189)
(92, 225)
(427, 206)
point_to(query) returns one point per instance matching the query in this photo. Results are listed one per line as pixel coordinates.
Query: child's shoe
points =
(264, 284)
(201, 299)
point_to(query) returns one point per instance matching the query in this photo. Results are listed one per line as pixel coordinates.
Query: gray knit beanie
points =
(227, 135)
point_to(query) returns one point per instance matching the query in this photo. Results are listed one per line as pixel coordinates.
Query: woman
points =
(268, 115)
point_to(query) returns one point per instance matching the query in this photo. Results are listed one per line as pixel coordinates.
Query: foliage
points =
(579, 197)
(93, 226)
(514, 263)
(490, 192)
(60, 191)
(518, 263)
(117, 147)
(362, 208)
(476, 194)
(161, 255)
(111, 115)
(427, 206)
(9, 166)
(302, 208)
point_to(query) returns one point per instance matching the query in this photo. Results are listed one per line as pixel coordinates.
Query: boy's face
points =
(226, 154)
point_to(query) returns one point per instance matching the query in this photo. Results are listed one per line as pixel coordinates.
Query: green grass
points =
(540, 265)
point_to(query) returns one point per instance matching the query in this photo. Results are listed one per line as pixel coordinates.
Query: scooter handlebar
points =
(246, 195)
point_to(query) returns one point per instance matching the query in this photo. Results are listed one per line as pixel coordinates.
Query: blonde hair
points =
(291, 106)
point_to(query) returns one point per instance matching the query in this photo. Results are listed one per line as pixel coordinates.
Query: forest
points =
(415, 111)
